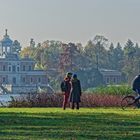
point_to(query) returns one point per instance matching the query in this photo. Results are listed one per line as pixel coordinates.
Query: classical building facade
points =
(17, 75)
(111, 76)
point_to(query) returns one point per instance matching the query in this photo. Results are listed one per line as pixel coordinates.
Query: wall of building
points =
(112, 79)
(24, 89)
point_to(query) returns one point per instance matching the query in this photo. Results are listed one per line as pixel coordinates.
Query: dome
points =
(6, 41)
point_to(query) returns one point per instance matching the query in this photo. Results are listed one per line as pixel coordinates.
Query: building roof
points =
(107, 72)
(6, 41)
(15, 57)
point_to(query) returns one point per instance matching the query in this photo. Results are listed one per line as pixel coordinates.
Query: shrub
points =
(111, 90)
(94, 100)
(37, 100)
(55, 100)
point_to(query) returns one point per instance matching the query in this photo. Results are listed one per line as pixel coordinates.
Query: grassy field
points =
(56, 124)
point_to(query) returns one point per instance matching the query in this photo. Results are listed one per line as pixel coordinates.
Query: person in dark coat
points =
(66, 89)
(136, 88)
(136, 84)
(75, 92)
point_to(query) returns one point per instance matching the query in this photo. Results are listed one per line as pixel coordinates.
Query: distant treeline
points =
(58, 58)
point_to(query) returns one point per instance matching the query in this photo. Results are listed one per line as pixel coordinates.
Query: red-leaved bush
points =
(56, 100)
(95, 100)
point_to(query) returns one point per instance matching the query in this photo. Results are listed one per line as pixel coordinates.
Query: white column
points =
(2, 50)
(6, 49)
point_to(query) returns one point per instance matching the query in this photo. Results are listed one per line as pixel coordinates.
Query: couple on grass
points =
(71, 89)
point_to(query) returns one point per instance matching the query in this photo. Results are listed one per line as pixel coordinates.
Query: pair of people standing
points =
(71, 89)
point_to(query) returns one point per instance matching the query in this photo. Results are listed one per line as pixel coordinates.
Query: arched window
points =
(13, 68)
(39, 80)
(4, 80)
(31, 80)
(14, 80)
(4, 68)
(24, 68)
(23, 80)
(17, 68)
(30, 68)
(9, 68)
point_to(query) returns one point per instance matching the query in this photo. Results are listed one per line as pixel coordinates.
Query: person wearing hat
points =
(75, 92)
(66, 88)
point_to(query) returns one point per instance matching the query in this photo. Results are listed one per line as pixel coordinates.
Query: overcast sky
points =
(70, 20)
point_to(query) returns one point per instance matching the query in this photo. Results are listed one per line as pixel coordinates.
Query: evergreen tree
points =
(129, 61)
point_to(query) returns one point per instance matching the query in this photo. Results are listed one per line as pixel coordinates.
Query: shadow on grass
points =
(68, 126)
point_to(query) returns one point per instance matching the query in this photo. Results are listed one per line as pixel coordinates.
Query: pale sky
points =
(70, 20)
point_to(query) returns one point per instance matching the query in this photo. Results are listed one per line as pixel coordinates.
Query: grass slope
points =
(56, 124)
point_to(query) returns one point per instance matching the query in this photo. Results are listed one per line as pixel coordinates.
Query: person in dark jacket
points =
(136, 87)
(136, 84)
(75, 92)
(66, 88)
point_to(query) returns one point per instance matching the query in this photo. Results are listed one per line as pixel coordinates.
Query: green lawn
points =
(56, 124)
